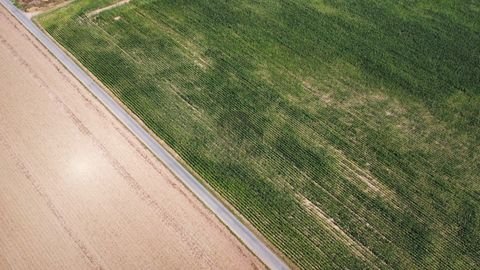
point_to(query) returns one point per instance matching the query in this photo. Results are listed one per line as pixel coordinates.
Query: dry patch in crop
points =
(329, 223)
(100, 10)
(39, 5)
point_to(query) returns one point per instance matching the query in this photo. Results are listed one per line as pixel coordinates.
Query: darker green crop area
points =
(346, 132)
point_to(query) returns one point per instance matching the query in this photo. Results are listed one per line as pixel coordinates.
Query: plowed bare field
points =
(78, 191)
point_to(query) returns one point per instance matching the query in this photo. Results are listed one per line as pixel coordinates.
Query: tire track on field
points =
(59, 68)
(22, 167)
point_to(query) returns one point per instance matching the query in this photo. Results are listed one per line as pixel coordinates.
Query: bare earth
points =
(39, 5)
(100, 10)
(78, 191)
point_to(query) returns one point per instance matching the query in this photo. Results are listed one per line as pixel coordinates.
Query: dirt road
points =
(78, 191)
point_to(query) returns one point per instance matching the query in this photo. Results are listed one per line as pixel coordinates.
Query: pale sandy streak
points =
(100, 10)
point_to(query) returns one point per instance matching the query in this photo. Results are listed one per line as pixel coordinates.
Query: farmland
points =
(37, 5)
(346, 132)
(78, 190)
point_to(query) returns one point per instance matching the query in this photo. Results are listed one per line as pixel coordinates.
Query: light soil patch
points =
(79, 191)
(39, 5)
(363, 178)
(357, 248)
(39, 9)
(100, 10)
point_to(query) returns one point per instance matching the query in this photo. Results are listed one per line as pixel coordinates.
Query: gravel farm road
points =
(259, 248)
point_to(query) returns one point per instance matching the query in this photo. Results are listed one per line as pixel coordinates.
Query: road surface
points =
(270, 259)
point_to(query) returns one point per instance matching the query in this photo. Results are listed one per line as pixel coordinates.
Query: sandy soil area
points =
(39, 5)
(78, 191)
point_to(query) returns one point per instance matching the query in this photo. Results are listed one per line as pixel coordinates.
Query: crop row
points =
(266, 142)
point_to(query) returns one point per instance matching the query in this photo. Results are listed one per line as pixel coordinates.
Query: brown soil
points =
(38, 5)
(78, 191)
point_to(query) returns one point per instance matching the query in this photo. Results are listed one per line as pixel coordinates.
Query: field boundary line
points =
(249, 239)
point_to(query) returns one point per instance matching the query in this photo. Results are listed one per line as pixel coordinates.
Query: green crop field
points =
(346, 132)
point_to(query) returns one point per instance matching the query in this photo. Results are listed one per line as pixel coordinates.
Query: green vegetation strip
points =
(346, 132)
